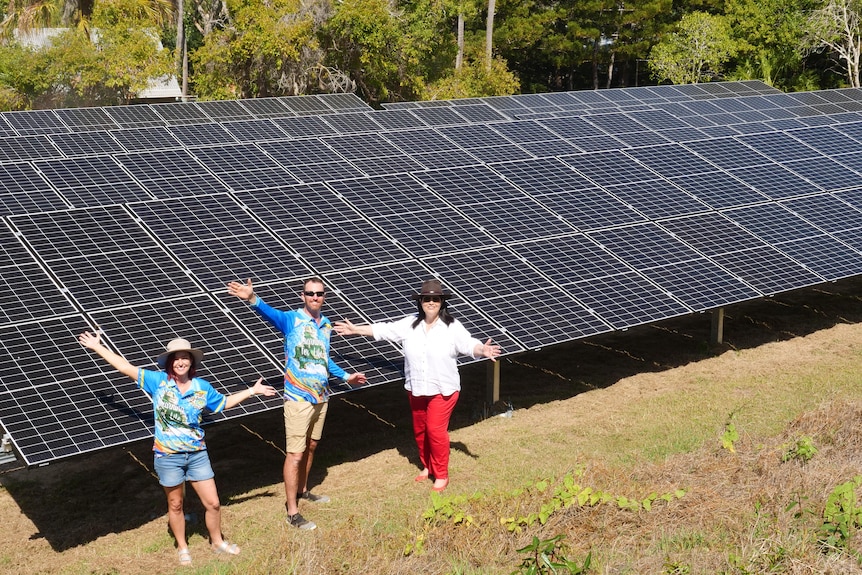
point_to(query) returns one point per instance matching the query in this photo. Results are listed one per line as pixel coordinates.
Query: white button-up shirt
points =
(430, 365)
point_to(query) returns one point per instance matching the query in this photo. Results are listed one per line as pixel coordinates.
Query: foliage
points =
(448, 508)
(266, 49)
(803, 450)
(23, 77)
(24, 15)
(730, 435)
(836, 26)
(569, 493)
(695, 52)
(106, 60)
(392, 53)
(473, 79)
(546, 556)
(841, 516)
(769, 33)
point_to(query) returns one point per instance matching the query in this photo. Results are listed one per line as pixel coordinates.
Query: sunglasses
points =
(430, 298)
(315, 293)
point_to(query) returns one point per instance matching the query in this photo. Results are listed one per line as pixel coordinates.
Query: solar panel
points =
(5, 129)
(27, 148)
(149, 138)
(91, 181)
(774, 181)
(267, 108)
(225, 110)
(140, 116)
(83, 119)
(626, 299)
(607, 209)
(180, 113)
(86, 143)
(306, 105)
(396, 119)
(257, 130)
(657, 199)
(353, 123)
(201, 134)
(33, 122)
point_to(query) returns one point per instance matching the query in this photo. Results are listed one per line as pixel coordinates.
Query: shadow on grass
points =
(75, 501)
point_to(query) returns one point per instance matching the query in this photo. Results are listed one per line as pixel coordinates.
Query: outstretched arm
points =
(259, 388)
(346, 327)
(120, 363)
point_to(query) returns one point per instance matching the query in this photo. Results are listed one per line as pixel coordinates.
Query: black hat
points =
(431, 287)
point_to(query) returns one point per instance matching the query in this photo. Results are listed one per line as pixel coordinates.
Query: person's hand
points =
(490, 350)
(89, 340)
(259, 388)
(242, 291)
(344, 327)
(356, 379)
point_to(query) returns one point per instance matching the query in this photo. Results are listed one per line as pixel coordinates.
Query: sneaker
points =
(309, 496)
(300, 522)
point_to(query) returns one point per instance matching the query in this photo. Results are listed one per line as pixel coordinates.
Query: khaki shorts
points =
(303, 421)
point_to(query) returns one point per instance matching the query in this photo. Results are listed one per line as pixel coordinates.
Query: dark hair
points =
(444, 315)
(169, 366)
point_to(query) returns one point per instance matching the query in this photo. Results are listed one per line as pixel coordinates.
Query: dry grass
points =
(631, 413)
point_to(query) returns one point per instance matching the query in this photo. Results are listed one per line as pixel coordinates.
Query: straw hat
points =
(179, 344)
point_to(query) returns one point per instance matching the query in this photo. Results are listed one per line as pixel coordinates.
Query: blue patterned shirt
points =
(178, 415)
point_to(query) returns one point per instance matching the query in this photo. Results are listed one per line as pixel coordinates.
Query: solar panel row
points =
(551, 217)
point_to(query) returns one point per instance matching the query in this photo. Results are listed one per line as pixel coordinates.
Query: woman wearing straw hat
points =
(431, 340)
(179, 399)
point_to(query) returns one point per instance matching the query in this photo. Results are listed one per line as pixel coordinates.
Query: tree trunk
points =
(611, 68)
(459, 59)
(181, 60)
(489, 34)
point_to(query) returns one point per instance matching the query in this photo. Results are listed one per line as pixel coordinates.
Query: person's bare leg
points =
(208, 494)
(292, 464)
(176, 517)
(305, 468)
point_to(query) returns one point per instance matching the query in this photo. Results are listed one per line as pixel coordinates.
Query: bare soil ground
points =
(104, 512)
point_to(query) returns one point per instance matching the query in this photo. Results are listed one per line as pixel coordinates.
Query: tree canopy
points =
(393, 50)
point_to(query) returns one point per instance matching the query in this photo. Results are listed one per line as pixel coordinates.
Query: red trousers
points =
(431, 415)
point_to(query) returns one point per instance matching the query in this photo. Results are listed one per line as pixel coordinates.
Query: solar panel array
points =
(551, 217)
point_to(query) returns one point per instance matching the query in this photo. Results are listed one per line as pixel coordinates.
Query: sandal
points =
(226, 549)
(185, 556)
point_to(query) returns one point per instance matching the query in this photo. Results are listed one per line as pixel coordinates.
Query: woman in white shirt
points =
(431, 341)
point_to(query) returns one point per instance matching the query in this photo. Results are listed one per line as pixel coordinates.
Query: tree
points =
(835, 27)
(25, 15)
(266, 48)
(696, 51)
(473, 80)
(770, 33)
(113, 59)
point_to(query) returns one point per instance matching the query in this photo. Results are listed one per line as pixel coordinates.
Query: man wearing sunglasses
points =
(307, 367)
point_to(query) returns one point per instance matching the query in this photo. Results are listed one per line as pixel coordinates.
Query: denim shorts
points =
(176, 468)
